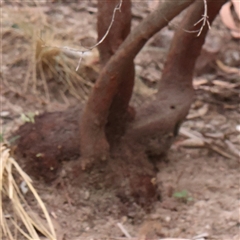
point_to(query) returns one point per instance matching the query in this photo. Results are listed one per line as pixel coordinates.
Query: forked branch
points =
(203, 19)
(95, 115)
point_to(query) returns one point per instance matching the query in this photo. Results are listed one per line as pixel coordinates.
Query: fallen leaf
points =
(227, 106)
(192, 142)
(197, 138)
(218, 135)
(224, 84)
(235, 34)
(232, 148)
(199, 113)
(228, 20)
(227, 69)
(221, 152)
(222, 93)
(190, 133)
(199, 82)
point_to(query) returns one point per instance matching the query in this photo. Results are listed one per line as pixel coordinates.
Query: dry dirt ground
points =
(199, 182)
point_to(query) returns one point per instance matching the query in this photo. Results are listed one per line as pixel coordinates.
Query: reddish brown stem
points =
(186, 45)
(158, 123)
(96, 112)
(119, 31)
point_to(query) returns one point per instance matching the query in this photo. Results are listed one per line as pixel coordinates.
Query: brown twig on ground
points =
(124, 231)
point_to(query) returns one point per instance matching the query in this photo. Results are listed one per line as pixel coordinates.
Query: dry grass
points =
(40, 46)
(36, 46)
(31, 43)
(15, 214)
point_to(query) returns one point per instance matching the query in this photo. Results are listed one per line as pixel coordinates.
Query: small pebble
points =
(124, 219)
(168, 219)
(238, 128)
(86, 195)
(24, 187)
(4, 114)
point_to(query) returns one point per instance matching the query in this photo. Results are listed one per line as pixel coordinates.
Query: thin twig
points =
(232, 148)
(79, 61)
(86, 49)
(124, 231)
(45, 86)
(204, 21)
(34, 65)
(117, 8)
(25, 85)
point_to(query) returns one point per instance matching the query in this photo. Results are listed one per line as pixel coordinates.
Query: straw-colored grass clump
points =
(51, 66)
(17, 219)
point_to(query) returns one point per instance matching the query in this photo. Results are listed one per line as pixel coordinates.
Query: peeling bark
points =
(95, 116)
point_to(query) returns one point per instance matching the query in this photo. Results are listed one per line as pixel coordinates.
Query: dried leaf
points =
(232, 148)
(223, 93)
(198, 138)
(227, 18)
(199, 113)
(218, 135)
(224, 84)
(235, 34)
(227, 106)
(190, 133)
(199, 82)
(192, 142)
(221, 152)
(227, 69)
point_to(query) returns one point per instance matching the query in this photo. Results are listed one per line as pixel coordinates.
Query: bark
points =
(119, 30)
(157, 124)
(92, 127)
(118, 113)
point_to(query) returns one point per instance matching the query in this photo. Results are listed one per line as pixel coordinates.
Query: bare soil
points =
(193, 190)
